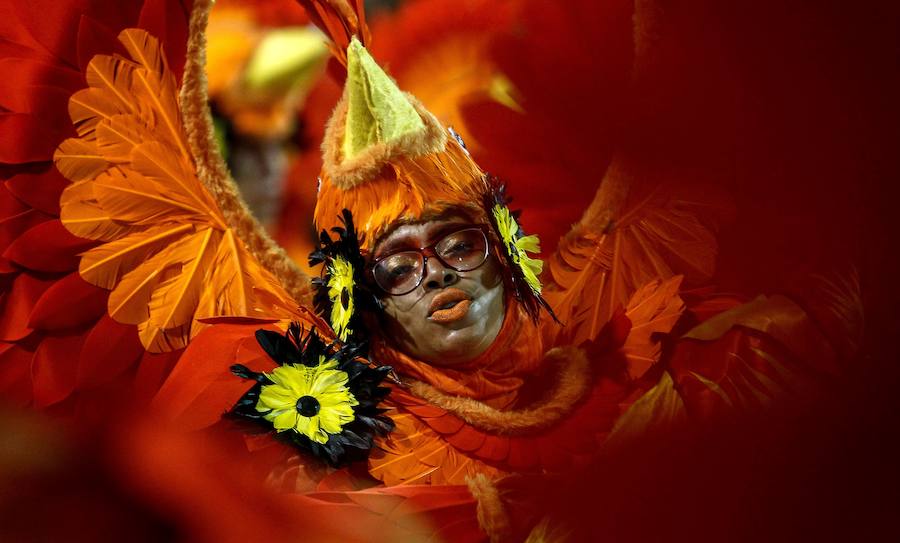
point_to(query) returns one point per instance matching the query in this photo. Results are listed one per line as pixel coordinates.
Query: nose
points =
(437, 275)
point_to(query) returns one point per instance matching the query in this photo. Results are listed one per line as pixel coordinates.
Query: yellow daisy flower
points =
(313, 401)
(517, 247)
(340, 292)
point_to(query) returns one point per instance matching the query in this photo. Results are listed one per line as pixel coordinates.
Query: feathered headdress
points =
(386, 159)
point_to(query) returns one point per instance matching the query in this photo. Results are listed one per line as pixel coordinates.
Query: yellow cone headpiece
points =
(386, 158)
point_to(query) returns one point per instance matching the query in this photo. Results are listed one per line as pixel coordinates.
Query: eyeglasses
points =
(400, 273)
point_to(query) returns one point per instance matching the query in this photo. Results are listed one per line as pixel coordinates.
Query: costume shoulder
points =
(623, 242)
(125, 236)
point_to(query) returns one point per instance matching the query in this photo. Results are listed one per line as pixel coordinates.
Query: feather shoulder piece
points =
(167, 254)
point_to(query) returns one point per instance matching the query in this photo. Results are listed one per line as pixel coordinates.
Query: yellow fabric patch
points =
(377, 110)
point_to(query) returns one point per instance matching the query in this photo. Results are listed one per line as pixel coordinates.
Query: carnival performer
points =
(437, 363)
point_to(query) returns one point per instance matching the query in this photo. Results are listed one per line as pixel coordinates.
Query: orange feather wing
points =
(167, 255)
(112, 247)
(620, 245)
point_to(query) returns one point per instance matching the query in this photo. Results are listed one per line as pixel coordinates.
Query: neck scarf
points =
(495, 377)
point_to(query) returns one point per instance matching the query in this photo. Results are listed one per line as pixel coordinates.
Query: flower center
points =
(307, 406)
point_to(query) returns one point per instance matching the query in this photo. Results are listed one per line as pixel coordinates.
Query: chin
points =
(458, 345)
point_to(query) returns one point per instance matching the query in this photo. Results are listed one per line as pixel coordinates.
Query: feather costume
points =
(166, 278)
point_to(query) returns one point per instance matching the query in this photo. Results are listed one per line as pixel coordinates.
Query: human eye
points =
(458, 245)
(399, 269)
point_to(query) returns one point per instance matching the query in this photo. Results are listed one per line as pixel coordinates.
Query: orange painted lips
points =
(449, 306)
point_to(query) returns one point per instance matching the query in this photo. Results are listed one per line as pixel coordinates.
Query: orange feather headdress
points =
(386, 158)
(387, 161)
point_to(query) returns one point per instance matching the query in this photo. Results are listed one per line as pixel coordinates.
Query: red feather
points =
(54, 368)
(467, 439)
(39, 189)
(32, 72)
(16, 218)
(95, 38)
(109, 350)
(168, 21)
(23, 140)
(70, 302)
(494, 448)
(445, 424)
(201, 387)
(48, 247)
(153, 369)
(15, 375)
(19, 302)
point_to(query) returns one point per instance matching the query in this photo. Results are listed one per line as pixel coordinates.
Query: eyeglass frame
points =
(427, 252)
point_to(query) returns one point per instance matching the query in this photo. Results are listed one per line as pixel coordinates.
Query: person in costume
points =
(433, 272)
(505, 370)
(445, 261)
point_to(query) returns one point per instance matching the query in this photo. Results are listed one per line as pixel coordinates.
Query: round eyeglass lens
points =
(399, 273)
(463, 250)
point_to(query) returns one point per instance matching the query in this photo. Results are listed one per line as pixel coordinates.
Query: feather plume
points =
(653, 309)
(105, 265)
(239, 286)
(119, 135)
(113, 77)
(158, 340)
(83, 216)
(79, 159)
(134, 200)
(168, 258)
(129, 302)
(340, 20)
(176, 177)
(88, 107)
(605, 258)
(174, 301)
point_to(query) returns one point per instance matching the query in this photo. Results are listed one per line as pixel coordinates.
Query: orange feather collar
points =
(494, 378)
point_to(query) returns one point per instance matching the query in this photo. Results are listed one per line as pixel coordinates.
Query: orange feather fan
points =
(167, 254)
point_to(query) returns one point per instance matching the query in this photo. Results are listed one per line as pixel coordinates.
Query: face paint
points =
(452, 316)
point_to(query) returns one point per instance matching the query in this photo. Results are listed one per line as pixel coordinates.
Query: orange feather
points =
(82, 215)
(653, 309)
(601, 263)
(340, 20)
(79, 159)
(169, 258)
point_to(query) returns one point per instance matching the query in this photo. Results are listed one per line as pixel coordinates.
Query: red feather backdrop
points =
(789, 111)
